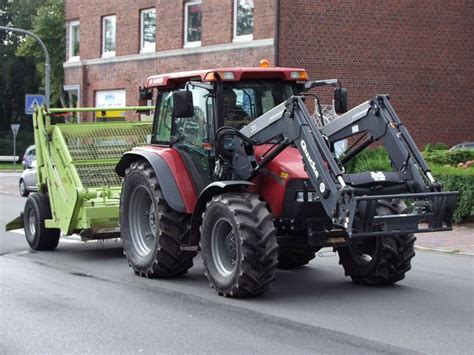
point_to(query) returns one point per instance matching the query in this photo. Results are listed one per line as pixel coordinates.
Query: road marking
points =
(71, 239)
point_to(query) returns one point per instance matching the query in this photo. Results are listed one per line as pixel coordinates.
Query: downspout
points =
(277, 34)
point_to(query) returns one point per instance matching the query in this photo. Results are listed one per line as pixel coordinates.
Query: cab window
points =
(163, 119)
(244, 101)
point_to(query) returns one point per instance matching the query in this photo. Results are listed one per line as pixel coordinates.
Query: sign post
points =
(15, 127)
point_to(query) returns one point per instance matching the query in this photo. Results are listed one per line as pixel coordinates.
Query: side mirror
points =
(340, 100)
(144, 96)
(183, 103)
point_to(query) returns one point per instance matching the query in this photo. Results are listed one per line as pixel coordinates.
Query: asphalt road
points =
(82, 297)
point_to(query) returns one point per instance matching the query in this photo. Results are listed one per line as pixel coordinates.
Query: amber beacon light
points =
(264, 63)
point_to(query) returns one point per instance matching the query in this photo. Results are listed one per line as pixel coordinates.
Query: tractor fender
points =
(164, 175)
(215, 188)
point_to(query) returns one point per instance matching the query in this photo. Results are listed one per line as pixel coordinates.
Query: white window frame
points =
(71, 47)
(193, 43)
(108, 53)
(150, 48)
(77, 89)
(241, 38)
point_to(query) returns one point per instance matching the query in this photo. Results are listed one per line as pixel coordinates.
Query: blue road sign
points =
(31, 101)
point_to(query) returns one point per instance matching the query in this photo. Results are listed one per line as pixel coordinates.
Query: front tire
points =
(239, 247)
(379, 261)
(37, 210)
(151, 231)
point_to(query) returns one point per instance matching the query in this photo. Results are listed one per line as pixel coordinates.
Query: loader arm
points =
(290, 123)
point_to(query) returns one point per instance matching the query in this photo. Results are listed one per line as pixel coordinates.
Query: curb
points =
(445, 251)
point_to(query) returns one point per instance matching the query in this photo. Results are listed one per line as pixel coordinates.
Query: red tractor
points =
(239, 169)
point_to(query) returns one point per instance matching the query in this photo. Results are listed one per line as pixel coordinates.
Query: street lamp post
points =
(47, 69)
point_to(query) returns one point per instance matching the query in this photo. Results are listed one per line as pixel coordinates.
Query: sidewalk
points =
(460, 240)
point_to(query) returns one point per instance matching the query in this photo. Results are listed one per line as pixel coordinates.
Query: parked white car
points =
(29, 156)
(28, 180)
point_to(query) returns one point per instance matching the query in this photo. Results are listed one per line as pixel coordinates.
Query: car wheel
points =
(23, 190)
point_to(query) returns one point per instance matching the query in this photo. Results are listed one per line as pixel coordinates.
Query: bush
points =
(462, 180)
(446, 157)
(370, 160)
(452, 178)
(23, 140)
(438, 146)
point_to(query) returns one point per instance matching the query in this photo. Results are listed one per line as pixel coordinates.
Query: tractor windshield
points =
(246, 100)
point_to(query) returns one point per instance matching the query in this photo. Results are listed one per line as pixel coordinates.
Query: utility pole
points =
(47, 69)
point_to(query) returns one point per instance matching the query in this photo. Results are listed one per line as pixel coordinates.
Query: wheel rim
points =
(32, 223)
(22, 187)
(224, 247)
(142, 221)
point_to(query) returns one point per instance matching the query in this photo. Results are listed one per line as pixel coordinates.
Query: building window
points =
(243, 19)
(148, 30)
(74, 40)
(108, 36)
(192, 24)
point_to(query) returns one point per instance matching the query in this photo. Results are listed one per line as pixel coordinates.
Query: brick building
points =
(420, 52)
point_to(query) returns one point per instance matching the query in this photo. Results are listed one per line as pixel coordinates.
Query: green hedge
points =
(23, 140)
(452, 178)
(446, 157)
(370, 160)
(456, 179)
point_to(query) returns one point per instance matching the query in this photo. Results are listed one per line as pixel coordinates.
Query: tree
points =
(17, 75)
(20, 75)
(50, 25)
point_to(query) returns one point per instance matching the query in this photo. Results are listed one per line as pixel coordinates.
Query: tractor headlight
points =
(311, 196)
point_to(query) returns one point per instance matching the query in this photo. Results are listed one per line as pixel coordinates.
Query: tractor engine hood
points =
(288, 164)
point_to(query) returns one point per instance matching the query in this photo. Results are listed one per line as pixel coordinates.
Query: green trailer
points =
(78, 189)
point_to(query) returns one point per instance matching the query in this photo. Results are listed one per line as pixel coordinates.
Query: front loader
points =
(239, 169)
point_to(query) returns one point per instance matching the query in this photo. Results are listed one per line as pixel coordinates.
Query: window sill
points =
(74, 59)
(192, 44)
(147, 50)
(246, 38)
(108, 54)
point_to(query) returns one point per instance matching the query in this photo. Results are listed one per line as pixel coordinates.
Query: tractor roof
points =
(227, 74)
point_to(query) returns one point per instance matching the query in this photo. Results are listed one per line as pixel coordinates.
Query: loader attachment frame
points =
(290, 123)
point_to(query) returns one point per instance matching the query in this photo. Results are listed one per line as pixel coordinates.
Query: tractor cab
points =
(192, 106)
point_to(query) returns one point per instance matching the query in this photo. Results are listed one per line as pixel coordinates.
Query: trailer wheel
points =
(239, 247)
(151, 231)
(37, 210)
(382, 260)
(292, 259)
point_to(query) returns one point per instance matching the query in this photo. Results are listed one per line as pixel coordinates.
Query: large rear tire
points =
(239, 247)
(292, 259)
(151, 231)
(37, 210)
(379, 261)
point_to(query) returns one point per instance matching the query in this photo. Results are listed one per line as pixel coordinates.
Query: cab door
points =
(190, 136)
